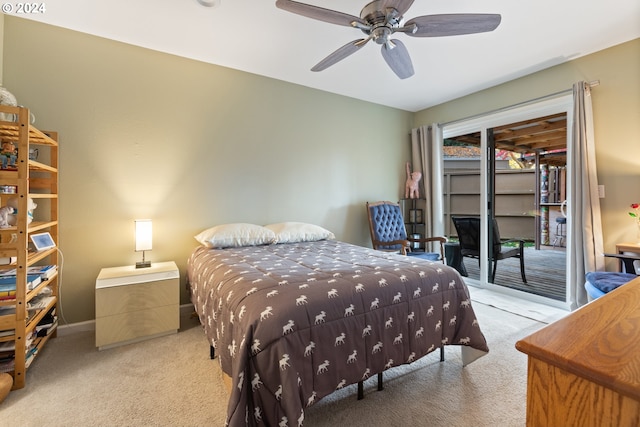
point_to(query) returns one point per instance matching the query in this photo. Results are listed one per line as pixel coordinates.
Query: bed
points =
(293, 322)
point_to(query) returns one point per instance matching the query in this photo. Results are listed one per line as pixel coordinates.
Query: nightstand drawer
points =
(131, 326)
(136, 297)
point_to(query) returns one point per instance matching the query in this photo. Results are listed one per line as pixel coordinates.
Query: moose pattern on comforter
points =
(291, 323)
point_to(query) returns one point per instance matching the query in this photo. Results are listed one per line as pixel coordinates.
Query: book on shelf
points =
(47, 320)
(7, 294)
(39, 303)
(29, 356)
(10, 346)
(8, 260)
(44, 330)
(7, 365)
(7, 346)
(8, 283)
(7, 333)
(7, 309)
(44, 271)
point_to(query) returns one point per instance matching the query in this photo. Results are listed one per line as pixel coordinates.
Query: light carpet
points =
(170, 381)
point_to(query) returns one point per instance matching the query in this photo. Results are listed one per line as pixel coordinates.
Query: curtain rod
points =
(593, 83)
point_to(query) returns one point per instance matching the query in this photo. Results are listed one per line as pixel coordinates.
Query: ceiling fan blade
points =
(397, 56)
(402, 6)
(453, 24)
(340, 54)
(319, 13)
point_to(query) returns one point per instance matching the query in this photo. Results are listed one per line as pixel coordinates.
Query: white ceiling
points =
(257, 37)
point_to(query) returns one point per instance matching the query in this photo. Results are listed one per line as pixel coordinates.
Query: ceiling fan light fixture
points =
(381, 34)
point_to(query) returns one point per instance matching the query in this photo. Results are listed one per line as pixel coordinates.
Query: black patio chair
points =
(468, 229)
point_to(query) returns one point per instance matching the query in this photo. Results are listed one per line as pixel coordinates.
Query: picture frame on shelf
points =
(415, 216)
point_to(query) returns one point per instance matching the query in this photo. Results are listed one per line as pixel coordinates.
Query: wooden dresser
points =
(584, 370)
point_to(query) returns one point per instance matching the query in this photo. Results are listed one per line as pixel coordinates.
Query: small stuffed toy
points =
(13, 203)
(5, 211)
(7, 98)
(9, 155)
(411, 188)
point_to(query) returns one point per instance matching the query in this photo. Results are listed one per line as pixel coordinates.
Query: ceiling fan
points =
(380, 19)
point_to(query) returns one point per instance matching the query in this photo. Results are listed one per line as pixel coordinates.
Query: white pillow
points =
(235, 235)
(293, 232)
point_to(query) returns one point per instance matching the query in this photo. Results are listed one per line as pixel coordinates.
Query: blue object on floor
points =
(593, 291)
(601, 282)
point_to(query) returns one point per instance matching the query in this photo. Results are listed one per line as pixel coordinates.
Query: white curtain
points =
(584, 208)
(426, 157)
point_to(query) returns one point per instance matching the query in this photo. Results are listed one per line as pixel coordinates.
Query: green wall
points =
(191, 145)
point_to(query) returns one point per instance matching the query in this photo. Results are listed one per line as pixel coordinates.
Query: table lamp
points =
(143, 240)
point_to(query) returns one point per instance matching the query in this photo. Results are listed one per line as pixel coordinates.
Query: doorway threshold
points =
(529, 309)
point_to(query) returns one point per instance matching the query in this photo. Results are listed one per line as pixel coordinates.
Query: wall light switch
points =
(601, 191)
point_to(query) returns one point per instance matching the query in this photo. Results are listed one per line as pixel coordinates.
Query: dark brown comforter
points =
(291, 323)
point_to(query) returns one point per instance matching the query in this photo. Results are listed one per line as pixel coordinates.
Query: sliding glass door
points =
(515, 185)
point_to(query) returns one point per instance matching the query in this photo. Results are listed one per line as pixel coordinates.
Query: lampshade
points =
(144, 235)
(143, 240)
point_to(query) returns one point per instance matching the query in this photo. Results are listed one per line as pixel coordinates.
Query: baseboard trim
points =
(74, 328)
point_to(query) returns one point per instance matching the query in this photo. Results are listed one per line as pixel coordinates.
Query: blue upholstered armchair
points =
(388, 232)
(599, 283)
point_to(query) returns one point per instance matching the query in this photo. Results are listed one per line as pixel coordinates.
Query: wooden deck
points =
(545, 270)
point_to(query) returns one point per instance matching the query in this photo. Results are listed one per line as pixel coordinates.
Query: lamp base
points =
(143, 264)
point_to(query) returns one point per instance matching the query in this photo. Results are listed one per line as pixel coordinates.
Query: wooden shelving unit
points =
(413, 212)
(36, 180)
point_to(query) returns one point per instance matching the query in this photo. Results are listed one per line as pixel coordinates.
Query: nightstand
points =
(133, 304)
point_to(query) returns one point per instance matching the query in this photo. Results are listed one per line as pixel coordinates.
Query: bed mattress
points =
(291, 323)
